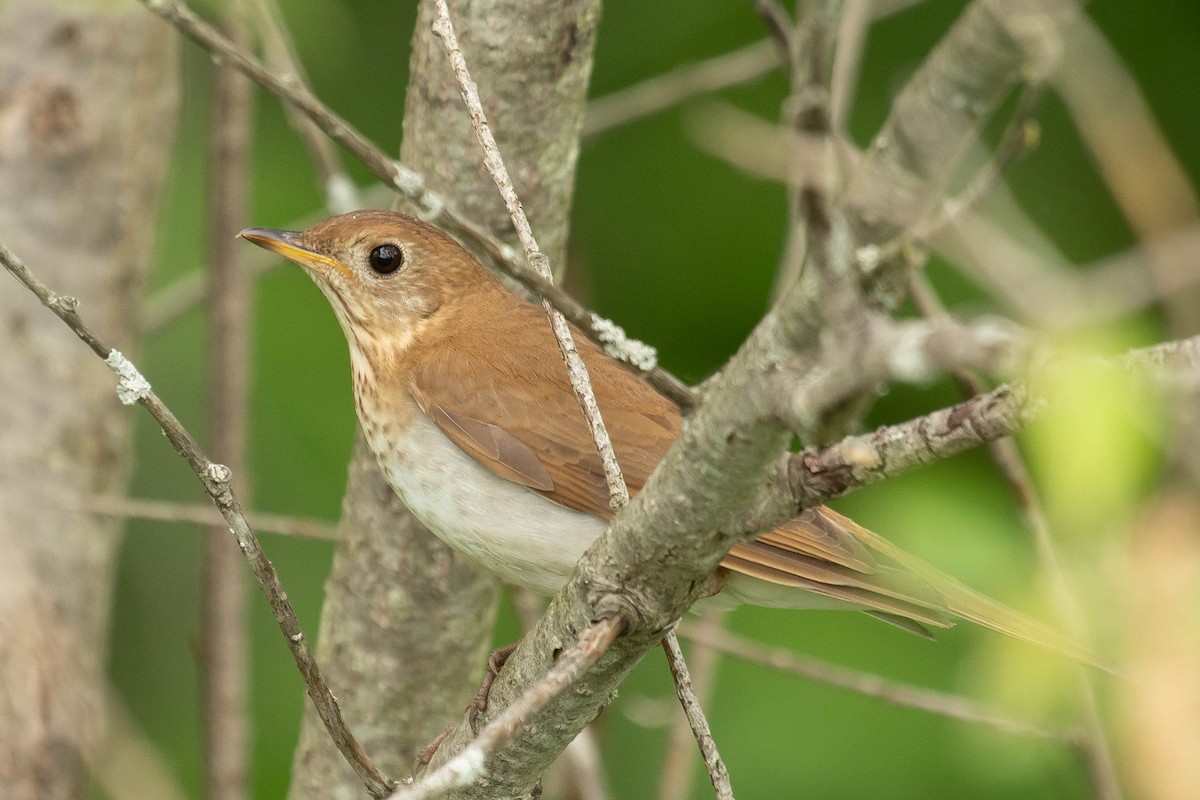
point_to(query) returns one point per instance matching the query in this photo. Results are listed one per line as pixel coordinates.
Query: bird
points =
(462, 396)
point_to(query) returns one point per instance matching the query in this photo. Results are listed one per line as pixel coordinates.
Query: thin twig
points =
(133, 388)
(582, 760)
(693, 709)
(817, 475)
(675, 777)
(468, 765)
(435, 209)
(197, 514)
(225, 638)
(734, 68)
(870, 685)
(779, 23)
(1020, 135)
(341, 194)
(576, 369)
(671, 88)
(1134, 158)
(847, 59)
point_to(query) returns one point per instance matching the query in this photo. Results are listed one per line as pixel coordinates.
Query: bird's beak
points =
(287, 244)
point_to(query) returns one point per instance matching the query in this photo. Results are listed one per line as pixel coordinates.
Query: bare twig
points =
(694, 711)
(779, 23)
(1145, 177)
(576, 369)
(133, 388)
(1020, 135)
(820, 474)
(675, 778)
(197, 514)
(225, 639)
(435, 209)
(900, 694)
(671, 88)
(941, 110)
(467, 766)
(847, 59)
(582, 761)
(736, 67)
(341, 195)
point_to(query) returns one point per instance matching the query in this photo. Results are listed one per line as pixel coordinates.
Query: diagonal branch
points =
(693, 709)
(576, 370)
(341, 195)
(216, 479)
(817, 475)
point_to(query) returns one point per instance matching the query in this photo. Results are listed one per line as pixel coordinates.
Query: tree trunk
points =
(87, 103)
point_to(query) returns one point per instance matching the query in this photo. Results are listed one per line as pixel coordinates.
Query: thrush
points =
(463, 398)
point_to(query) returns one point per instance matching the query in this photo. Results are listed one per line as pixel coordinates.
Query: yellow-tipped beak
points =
(287, 244)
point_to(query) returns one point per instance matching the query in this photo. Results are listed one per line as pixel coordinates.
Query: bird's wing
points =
(513, 411)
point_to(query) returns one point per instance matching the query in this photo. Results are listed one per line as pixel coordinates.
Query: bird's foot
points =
(426, 755)
(496, 662)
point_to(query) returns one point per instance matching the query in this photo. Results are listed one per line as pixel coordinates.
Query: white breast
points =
(503, 526)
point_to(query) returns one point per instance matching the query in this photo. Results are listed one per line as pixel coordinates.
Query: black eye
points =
(386, 258)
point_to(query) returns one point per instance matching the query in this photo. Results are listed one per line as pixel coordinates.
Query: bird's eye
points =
(386, 259)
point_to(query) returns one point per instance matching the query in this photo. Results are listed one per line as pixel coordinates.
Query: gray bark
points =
(407, 622)
(87, 102)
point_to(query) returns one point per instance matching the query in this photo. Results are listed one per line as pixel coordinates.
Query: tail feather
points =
(869, 573)
(966, 603)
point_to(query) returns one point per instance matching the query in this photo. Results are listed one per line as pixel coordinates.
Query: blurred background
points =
(680, 247)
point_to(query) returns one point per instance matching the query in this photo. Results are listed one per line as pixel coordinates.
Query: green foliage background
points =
(679, 248)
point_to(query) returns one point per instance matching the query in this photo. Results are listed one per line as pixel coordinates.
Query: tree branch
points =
(197, 514)
(899, 694)
(940, 111)
(693, 709)
(216, 478)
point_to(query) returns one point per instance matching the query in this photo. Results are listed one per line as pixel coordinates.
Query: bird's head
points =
(388, 276)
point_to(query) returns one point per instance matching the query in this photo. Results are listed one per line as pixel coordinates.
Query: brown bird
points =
(462, 395)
